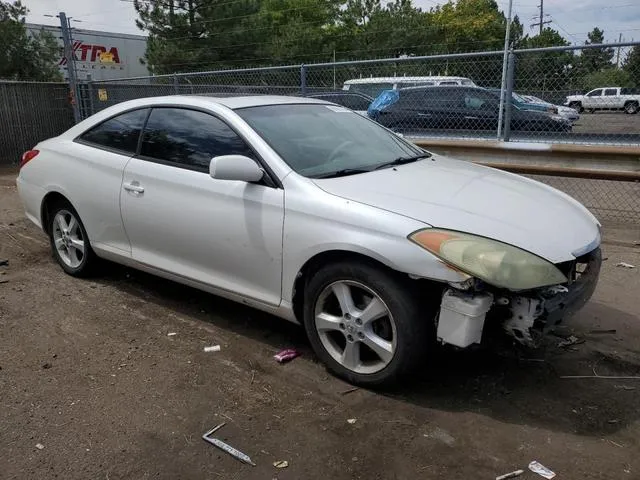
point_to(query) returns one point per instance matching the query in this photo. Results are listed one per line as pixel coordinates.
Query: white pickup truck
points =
(608, 98)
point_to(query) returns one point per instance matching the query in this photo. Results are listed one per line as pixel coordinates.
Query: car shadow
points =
(506, 383)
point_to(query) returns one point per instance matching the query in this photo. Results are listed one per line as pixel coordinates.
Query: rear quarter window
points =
(120, 133)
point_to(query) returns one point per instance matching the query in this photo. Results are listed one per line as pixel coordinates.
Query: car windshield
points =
(319, 140)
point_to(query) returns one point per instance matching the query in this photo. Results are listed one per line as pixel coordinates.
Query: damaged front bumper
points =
(524, 316)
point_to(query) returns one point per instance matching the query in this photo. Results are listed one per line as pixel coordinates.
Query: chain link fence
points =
(31, 112)
(578, 94)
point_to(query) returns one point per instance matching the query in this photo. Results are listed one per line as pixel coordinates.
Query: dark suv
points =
(454, 108)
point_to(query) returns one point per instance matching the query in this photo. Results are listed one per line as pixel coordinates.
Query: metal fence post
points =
(69, 56)
(303, 80)
(175, 85)
(92, 110)
(508, 106)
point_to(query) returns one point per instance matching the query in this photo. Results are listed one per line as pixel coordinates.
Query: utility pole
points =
(542, 22)
(618, 55)
(71, 63)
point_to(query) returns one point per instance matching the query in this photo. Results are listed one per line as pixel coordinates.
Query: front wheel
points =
(631, 108)
(576, 106)
(69, 241)
(365, 324)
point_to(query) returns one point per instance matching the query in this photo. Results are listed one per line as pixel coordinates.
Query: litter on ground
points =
(286, 355)
(214, 348)
(537, 467)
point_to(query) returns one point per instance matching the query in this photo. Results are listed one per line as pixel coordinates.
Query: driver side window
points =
(189, 139)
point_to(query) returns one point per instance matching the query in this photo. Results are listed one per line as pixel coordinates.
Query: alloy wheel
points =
(68, 239)
(355, 327)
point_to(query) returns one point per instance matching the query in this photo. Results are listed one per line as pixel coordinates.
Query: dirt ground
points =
(88, 371)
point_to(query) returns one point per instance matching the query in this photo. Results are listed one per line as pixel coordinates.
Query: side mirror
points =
(235, 167)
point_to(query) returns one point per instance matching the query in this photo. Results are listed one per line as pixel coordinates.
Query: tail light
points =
(27, 156)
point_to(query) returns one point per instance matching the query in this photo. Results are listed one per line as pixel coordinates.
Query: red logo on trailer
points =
(92, 53)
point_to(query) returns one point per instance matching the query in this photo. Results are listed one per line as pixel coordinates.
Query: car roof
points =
(233, 102)
(342, 93)
(357, 81)
(439, 88)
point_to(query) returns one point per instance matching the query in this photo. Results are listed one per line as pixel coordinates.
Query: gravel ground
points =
(88, 371)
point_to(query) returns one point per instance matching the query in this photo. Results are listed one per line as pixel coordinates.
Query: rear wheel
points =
(631, 107)
(69, 241)
(364, 323)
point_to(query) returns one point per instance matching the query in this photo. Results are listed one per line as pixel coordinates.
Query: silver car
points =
(311, 212)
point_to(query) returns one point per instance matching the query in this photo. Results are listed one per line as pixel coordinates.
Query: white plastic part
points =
(462, 317)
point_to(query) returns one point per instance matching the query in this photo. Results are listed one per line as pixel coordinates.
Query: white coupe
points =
(304, 209)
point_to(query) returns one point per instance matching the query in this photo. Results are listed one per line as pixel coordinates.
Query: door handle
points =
(133, 187)
(424, 114)
(472, 118)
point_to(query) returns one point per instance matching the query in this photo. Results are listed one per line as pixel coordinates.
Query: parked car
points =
(318, 215)
(570, 114)
(608, 98)
(454, 108)
(520, 102)
(375, 85)
(358, 102)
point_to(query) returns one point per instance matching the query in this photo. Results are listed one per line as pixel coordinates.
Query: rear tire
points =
(69, 241)
(365, 323)
(631, 108)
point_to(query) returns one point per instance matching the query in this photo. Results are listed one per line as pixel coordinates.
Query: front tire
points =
(365, 323)
(631, 108)
(577, 106)
(69, 241)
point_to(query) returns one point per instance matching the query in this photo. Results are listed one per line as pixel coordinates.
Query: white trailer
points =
(103, 55)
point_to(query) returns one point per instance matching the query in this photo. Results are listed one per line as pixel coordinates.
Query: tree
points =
(544, 72)
(24, 56)
(611, 77)
(631, 66)
(596, 59)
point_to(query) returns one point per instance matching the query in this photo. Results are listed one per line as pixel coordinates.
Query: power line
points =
(542, 22)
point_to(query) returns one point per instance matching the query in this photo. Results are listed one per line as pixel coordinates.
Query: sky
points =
(615, 17)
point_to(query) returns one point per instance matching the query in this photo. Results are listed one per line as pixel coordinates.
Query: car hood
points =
(465, 197)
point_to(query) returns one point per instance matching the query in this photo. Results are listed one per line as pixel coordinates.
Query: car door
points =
(478, 110)
(227, 234)
(611, 99)
(593, 99)
(99, 157)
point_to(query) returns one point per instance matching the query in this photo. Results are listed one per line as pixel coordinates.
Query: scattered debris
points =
(286, 355)
(614, 443)
(46, 366)
(514, 474)
(613, 422)
(624, 387)
(604, 377)
(351, 390)
(571, 340)
(4, 262)
(537, 467)
(4, 281)
(351, 421)
(39, 446)
(171, 334)
(625, 265)
(214, 348)
(603, 332)
(225, 447)
(441, 435)
(281, 464)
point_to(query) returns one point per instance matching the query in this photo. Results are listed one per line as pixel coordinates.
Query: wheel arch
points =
(327, 257)
(50, 199)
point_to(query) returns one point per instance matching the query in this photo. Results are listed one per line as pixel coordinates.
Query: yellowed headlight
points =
(494, 262)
